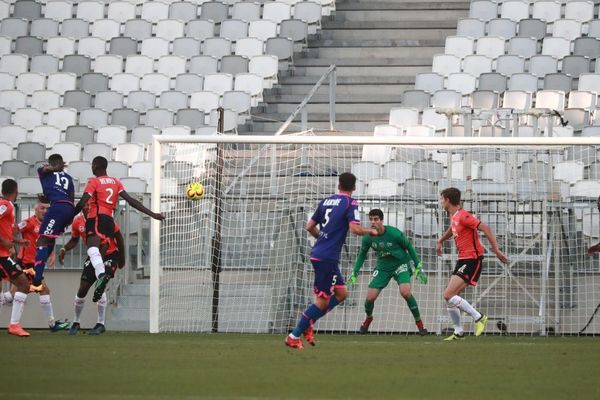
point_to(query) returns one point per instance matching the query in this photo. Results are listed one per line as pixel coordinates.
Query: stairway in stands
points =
(378, 46)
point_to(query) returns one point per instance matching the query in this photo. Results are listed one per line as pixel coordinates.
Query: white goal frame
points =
(456, 142)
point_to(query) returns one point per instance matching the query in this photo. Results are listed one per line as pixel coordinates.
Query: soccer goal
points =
(237, 259)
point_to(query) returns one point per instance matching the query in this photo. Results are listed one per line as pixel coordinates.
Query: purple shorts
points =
(327, 277)
(57, 218)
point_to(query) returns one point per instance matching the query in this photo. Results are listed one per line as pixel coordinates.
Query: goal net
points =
(237, 260)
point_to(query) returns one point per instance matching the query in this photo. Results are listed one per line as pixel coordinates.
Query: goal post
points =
(237, 260)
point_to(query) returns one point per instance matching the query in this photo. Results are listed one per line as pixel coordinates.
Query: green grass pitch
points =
(120, 365)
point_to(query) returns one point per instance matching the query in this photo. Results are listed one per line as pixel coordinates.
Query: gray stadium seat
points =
(575, 65)
(281, 47)
(93, 117)
(108, 100)
(4, 116)
(112, 135)
(27, 9)
(81, 170)
(471, 27)
(134, 185)
(186, 47)
(45, 100)
(502, 27)
(77, 99)
(44, 64)
(200, 29)
(44, 28)
(138, 29)
(586, 46)
(532, 27)
(77, 64)
(30, 185)
(246, 10)
(483, 9)
(126, 117)
(190, 117)
(216, 47)
(418, 99)
(214, 11)
(203, 65)
(75, 28)
(540, 65)
(118, 169)
(14, 27)
(159, 118)
(15, 168)
(558, 81)
(234, 64)
(79, 134)
(189, 83)
(173, 100)
(428, 169)
(31, 152)
(93, 82)
(233, 29)
(183, 11)
(123, 46)
(29, 45)
(525, 47)
(141, 100)
(296, 30)
(143, 134)
(92, 150)
(484, 99)
(492, 81)
(509, 64)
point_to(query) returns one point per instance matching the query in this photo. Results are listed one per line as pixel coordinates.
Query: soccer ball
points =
(195, 191)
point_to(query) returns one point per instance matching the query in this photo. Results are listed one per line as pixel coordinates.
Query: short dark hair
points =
(55, 159)
(452, 194)
(347, 181)
(376, 212)
(9, 186)
(100, 162)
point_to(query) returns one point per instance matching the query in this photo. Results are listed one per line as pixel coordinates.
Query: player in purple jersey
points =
(335, 216)
(59, 190)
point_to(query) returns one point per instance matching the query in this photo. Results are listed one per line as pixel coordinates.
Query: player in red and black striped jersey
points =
(30, 230)
(114, 251)
(9, 270)
(464, 227)
(103, 192)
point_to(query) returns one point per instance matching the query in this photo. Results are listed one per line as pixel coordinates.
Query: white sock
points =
(292, 336)
(47, 308)
(464, 305)
(102, 309)
(79, 303)
(96, 260)
(17, 308)
(455, 317)
(8, 297)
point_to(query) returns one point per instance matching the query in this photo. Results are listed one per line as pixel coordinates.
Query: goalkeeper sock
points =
(464, 305)
(312, 313)
(369, 306)
(413, 307)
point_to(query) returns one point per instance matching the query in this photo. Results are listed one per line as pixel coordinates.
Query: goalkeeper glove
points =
(420, 275)
(352, 279)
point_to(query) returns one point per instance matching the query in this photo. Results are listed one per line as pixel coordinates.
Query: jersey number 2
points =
(61, 181)
(110, 195)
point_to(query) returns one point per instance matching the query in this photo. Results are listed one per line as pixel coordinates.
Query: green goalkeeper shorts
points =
(382, 278)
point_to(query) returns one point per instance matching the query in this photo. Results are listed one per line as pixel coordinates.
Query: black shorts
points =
(9, 269)
(111, 263)
(102, 226)
(469, 270)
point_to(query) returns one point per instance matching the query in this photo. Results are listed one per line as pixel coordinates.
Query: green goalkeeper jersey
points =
(393, 248)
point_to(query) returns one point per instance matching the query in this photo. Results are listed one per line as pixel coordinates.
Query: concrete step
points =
(135, 326)
(137, 289)
(417, 23)
(393, 34)
(374, 52)
(132, 301)
(430, 11)
(358, 62)
(342, 90)
(349, 80)
(341, 108)
(130, 314)
(363, 71)
(399, 5)
(357, 98)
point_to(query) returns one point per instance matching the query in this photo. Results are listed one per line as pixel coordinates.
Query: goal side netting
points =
(237, 260)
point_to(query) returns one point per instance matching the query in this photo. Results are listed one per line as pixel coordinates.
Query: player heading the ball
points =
(103, 192)
(394, 254)
(464, 227)
(330, 223)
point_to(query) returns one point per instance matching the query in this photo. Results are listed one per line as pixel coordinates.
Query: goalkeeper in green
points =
(394, 253)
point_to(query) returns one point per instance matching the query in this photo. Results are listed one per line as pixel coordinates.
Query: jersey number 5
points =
(327, 212)
(61, 181)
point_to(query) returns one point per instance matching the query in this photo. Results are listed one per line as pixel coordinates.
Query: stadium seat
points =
(589, 82)
(29, 82)
(31, 152)
(177, 130)
(143, 170)
(204, 65)
(547, 11)
(108, 100)
(125, 117)
(28, 118)
(493, 81)
(383, 187)
(29, 185)
(575, 65)
(75, 28)
(29, 45)
(248, 11)
(509, 64)
(276, 11)
(471, 27)
(44, 64)
(524, 81)
(6, 151)
(404, 116)
(230, 120)
(134, 185)
(249, 47)
(582, 11)
(106, 28)
(233, 29)
(123, 46)
(81, 170)
(476, 65)
(458, 170)
(155, 47)
(587, 47)
(200, 29)
(47, 135)
(541, 65)
(189, 83)
(91, 47)
(143, 135)
(44, 28)
(234, 64)
(76, 64)
(419, 188)
(190, 117)
(155, 83)
(77, 99)
(582, 99)
(169, 29)
(516, 99)
(490, 46)
(238, 101)
(501, 27)
(129, 153)
(515, 10)
(121, 11)
(594, 28)
(398, 171)
(5, 45)
(14, 27)
(140, 29)
(310, 12)
(171, 66)
(62, 117)
(556, 47)
(154, 11)
(496, 171)
(124, 83)
(216, 47)
(173, 100)
(525, 47)
(79, 134)
(484, 10)
(262, 29)
(445, 64)
(251, 83)
(459, 46)
(112, 135)
(69, 151)
(567, 28)
(582, 189)
(418, 99)
(429, 82)
(5, 117)
(461, 82)
(58, 10)
(14, 64)
(366, 170)
(27, 9)
(139, 65)
(283, 49)
(92, 150)
(15, 168)
(568, 171)
(186, 47)
(558, 81)
(108, 64)
(159, 118)
(141, 100)
(45, 100)
(183, 11)
(532, 28)
(93, 117)
(214, 11)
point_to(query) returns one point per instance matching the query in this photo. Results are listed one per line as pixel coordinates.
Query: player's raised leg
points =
(20, 297)
(455, 304)
(47, 309)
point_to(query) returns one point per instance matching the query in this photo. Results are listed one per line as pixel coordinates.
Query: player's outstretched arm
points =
(135, 203)
(70, 245)
(311, 227)
(360, 230)
(84, 199)
(487, 231)
(440, 242)
(593, 249)
(121, 246)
